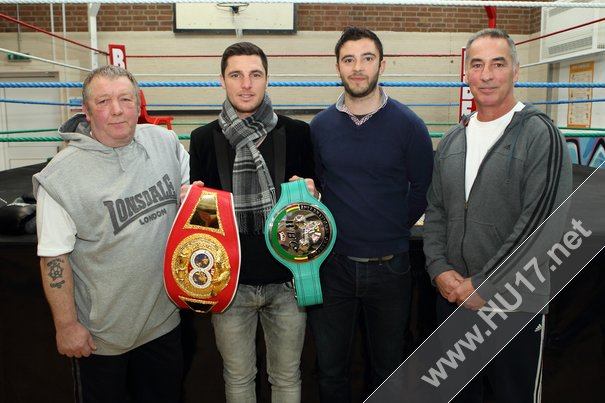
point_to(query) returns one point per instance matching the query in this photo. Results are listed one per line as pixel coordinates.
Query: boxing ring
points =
(302, 82)
(434, 92)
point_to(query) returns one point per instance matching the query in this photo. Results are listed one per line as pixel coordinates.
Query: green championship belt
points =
(300, 233)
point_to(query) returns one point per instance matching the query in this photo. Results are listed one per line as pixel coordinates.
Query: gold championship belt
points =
(202, 260)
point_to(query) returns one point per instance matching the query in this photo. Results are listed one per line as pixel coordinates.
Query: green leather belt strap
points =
(300, 233)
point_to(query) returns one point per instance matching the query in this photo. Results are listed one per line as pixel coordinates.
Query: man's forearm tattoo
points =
(55, 272)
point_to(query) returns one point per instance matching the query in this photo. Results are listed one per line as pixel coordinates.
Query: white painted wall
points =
(400, 69)
(20, 117)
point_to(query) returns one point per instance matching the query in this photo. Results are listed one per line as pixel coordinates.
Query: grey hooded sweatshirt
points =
(523, 178)
(123, 202)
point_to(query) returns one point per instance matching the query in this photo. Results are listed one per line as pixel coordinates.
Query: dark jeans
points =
(380, 293)
(515, 374)
(149, 373)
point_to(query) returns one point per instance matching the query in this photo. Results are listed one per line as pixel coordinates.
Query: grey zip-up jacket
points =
(523, 178)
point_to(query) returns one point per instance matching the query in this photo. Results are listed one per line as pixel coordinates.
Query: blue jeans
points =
(381, 294)
(283, 324)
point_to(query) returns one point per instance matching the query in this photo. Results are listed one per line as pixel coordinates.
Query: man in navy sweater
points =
(374, 161)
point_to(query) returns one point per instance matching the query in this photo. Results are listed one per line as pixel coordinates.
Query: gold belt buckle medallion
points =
(202, 261)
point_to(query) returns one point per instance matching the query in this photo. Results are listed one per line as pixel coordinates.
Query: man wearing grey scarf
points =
(253, 189)
(250, 150)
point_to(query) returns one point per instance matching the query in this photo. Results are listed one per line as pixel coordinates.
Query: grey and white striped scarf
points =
(253, 189)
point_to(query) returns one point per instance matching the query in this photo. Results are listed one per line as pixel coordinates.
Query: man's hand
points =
(185, 188)
(466, 296)
(74, 340)
(447, 282)
(310, 185)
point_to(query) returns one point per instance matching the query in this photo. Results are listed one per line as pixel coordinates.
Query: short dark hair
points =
(355, 34)
(495, 33)
(243, 49)
(111, 72)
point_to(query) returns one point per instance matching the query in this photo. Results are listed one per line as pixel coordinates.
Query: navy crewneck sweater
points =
(373, 177)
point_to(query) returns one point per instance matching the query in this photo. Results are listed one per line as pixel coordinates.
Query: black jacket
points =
(286, 149)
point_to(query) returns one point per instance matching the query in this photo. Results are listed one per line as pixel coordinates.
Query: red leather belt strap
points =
(202, 260)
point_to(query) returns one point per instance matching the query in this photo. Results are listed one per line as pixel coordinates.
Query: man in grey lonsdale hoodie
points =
(106, 204)
(497, 176)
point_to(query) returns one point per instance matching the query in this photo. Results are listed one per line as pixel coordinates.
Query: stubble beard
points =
(361, 93)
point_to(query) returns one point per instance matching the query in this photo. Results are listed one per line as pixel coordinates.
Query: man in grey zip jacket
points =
(497, 176)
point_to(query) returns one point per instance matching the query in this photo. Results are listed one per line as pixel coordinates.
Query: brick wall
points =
(111, 17)
(414, 18)
(311, 17)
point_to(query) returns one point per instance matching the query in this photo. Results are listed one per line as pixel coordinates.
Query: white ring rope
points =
(14, 52)
(460, 3)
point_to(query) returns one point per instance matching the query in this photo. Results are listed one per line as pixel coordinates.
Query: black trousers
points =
(515, 374)
(149, 373)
